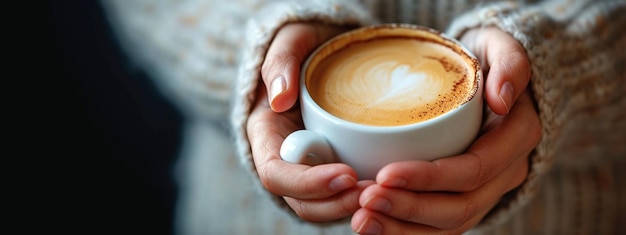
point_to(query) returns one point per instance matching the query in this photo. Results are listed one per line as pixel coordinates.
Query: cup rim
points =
(306, 98)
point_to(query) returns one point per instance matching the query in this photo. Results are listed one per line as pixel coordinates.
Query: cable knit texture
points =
(576, 182)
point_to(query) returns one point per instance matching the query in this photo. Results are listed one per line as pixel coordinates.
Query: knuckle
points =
(265, 179)
(302, 212)
(519, 59)
(266, 176)
(254, 125)
(300, 208)
(307, 211)
(415, 212)
(346, 208)
(481, 176)
(515, 59)
(274, 61)
(518, 56)
(468, 212)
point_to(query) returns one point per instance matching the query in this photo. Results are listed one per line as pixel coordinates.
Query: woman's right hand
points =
(318, 193)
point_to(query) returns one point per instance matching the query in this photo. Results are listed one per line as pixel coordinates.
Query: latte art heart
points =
(397, 85)
(392, 81)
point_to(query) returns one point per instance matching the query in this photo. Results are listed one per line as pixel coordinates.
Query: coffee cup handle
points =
(306, 147)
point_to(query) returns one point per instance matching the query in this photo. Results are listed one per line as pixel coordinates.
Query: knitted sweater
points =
(208, 63)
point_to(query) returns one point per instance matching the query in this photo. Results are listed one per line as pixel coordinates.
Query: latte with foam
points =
(396, 79)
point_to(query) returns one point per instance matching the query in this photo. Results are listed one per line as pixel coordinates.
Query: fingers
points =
(336, 207)
(305, 182)
(365, 221)
(266, 131)
(318, 194)
(508, 76)
(393, 210)
(516, 135)
(439, 210)
(505, 63)
(281, 68)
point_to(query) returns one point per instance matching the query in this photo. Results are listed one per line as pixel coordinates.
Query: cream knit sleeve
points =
(260, 32)
(576, 50)
(188, 48)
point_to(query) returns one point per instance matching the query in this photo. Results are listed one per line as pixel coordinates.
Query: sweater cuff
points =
(522, 25)
(259, 35)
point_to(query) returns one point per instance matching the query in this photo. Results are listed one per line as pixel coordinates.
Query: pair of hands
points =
(447, 195)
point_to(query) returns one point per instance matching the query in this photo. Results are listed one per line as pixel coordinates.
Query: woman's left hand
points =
(453, 194)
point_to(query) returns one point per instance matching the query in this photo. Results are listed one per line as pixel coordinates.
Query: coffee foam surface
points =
(391, 81)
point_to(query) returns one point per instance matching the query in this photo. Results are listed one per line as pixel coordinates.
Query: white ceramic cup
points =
(367, 148)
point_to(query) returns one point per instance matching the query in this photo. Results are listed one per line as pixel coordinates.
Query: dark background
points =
(112, 137)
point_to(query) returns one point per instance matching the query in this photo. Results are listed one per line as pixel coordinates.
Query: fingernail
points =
(277, 87)
(370, 227)
(506, 95)
(379, 204)
(341, 182)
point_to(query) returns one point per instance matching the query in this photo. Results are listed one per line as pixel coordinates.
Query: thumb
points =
(507, 66)
(281, 68)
